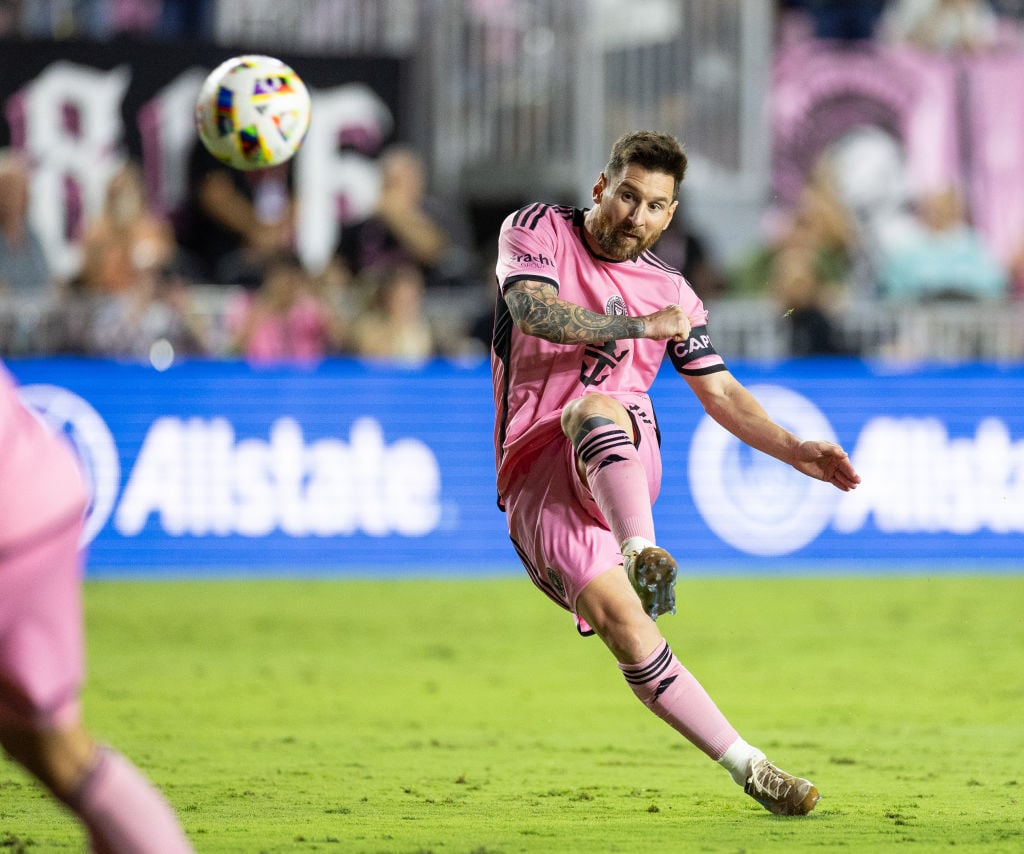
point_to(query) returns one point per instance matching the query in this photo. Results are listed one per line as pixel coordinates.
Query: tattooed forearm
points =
(541, 313)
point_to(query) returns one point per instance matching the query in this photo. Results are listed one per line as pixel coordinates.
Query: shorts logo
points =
(556, 580)
(90, 439)
(753, 502)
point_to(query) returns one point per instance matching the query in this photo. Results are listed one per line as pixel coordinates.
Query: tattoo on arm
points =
(537, 310)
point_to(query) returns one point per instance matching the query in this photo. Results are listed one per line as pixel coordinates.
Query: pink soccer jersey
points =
(42, 485)
(534, 379)
(42, 498)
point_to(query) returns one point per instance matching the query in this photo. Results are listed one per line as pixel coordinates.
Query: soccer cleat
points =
(652, 572)
(778, 792)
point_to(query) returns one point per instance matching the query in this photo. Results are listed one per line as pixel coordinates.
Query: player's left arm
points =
(726, 400)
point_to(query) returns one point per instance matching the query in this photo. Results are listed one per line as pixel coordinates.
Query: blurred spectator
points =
(96, 19)
(1011, 11)
(683, 248)
(869, 168)
(23, 267)
(30, 296)
(942, 26)
(187, 19)
(234, 222)
(808, 297)
(153, 320)
(126, 243)
(806, 268)
(394, 324)
(409, 226)
(1016, 272)
(284, 319)
(843, 20)
(9, 17)
(946, 260)
(104, 19)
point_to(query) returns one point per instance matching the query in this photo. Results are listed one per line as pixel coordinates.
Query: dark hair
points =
(659, 152)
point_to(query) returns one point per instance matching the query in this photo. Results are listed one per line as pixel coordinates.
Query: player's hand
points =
(669, 322)
(828, 462)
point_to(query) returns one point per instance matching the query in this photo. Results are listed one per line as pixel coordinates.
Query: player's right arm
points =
(537, 310)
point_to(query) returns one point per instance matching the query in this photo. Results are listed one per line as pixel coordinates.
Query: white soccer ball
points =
(252, 112)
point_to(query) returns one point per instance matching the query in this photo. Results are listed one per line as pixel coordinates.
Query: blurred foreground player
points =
(585, 316)
(42, 501)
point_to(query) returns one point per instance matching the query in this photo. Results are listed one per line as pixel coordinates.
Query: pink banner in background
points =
(931, 129)
(959, 118)
(994, 118)
(821, 91)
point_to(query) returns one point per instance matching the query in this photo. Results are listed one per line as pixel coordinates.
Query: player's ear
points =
(599, 187)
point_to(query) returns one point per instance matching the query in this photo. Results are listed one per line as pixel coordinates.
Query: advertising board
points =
(359, 469)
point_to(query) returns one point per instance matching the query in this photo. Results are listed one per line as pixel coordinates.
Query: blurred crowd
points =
(221, 277)
(415, 279)
(857, 232)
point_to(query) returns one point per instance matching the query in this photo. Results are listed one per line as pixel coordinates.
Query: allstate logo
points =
(85, 429)
(754, 502)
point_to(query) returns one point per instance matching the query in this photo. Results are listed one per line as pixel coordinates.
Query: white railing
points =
(753, 328)
(525, 97)
(946, 332)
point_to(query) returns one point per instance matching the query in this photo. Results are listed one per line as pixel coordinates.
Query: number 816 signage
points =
(78, 110)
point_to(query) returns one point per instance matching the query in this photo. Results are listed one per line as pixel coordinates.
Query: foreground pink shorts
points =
(41, 645)
(555, 524)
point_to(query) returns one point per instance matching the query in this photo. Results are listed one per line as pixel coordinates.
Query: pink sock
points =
(670, 691)
(124, 813)
(616, 477)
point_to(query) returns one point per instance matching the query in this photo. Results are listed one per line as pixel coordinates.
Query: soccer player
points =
(42, 502)
(585, 315)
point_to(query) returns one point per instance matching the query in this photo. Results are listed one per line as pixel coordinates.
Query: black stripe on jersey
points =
(537, 217)
(501, 337)
(530, 215)
(501, 344)
(527, 277)
(655, 261)
(653, 670)
(566, 212)
(523, 214)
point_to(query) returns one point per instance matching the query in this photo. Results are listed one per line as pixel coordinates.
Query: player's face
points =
(631, 211)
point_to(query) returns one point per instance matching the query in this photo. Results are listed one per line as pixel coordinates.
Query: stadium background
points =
(487, 96)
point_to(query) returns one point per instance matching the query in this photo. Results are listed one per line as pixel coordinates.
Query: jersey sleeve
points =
(527, 246)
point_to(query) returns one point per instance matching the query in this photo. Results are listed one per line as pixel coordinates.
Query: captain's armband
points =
(697, 346)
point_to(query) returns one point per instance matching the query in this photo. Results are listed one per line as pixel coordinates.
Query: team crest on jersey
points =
(616, 305)
(556, 580)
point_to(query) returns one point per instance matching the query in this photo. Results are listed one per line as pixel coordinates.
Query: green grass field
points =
(468, 716)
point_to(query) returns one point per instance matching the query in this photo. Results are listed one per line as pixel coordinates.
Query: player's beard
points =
(614, 239)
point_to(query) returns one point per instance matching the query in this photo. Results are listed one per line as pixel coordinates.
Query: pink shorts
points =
(555, 524)
(41, 645)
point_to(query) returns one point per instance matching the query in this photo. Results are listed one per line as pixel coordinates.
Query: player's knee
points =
(578, 413)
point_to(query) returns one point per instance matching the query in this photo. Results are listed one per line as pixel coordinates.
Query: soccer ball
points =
(252, 112)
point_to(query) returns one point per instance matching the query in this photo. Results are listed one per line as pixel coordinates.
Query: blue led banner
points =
(220, 468)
